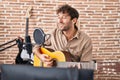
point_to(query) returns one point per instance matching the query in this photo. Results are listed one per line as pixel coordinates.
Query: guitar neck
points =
(101, 67)
(27, 24)
(27, 20)
(84, 65)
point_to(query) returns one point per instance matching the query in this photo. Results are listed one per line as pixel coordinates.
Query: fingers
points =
(36, 49)
(20, 38)
(48, 64)
(75, 66)
(45, 58)
(79, 66)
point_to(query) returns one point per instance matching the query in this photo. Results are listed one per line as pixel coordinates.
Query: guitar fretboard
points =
(83, 65)
(101, 67)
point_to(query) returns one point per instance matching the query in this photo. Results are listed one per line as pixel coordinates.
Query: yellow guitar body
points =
(58, 55)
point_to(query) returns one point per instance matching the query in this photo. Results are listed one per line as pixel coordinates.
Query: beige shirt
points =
(80, 46)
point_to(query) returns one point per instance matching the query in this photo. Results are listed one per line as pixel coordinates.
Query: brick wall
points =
(100, 19)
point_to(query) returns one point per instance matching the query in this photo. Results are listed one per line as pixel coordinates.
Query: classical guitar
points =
(111, 67)
(62, 59)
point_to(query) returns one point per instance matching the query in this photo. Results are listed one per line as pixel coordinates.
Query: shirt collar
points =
(77, 35)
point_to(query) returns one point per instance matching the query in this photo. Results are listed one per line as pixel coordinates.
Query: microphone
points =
(39, 36)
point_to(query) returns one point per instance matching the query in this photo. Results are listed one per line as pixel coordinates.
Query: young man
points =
(67, 37)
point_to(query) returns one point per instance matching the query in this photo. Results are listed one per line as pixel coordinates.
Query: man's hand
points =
(79, 66)
(36, 50)
(47, 60)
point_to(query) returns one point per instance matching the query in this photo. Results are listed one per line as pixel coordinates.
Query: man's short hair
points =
(73, 13)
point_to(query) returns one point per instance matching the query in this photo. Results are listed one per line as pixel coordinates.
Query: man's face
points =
(64, 21)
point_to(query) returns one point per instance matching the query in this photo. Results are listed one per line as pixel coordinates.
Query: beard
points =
(62, 27)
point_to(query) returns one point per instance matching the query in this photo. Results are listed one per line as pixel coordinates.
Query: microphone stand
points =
(2, 49)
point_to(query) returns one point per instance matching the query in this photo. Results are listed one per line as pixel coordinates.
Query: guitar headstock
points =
(108, 67)
(28, 12)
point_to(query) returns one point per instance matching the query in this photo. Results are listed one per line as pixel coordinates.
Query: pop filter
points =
(39, 36)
